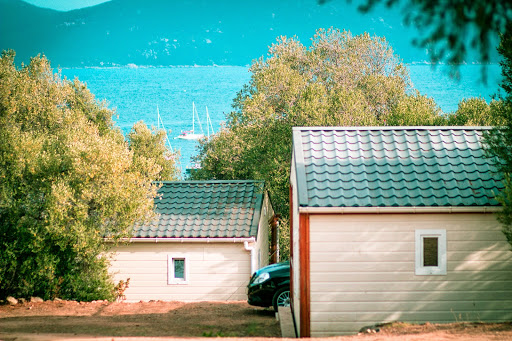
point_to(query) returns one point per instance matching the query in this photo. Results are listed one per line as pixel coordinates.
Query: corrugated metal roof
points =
(393, 167)
(206, 209)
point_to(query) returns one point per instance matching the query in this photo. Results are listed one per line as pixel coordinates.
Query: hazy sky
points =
(65, 5)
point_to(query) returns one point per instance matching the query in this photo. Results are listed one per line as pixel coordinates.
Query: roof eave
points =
(300, 167)
(185, 240)
(258, 206)
(403, 209)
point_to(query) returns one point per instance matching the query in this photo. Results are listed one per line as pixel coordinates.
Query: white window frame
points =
(170, 269)
(440, 269)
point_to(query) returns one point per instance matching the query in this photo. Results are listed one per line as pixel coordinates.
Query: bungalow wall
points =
(362, 271)
(216, 271)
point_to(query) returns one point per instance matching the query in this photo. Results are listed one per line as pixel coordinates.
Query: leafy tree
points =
(476, 112)
(340, 80)
(498, 142)
(67, 179)
(450, 28)
(149, 149)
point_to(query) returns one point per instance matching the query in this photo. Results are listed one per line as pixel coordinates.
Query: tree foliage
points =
(476, 112)
(67, 179)
(498, 142)
(149, 150)
(451, 28)
(341, 80)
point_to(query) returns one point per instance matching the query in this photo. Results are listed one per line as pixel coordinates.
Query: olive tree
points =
(450, 29)
(499, 140)
(67, 180)
(149, 149)
(340, 80)
(476, 112)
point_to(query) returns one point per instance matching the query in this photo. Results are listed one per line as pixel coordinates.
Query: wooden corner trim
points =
(305, 306)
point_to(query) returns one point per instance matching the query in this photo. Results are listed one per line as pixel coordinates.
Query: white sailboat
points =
(209, 126)
(191, 134)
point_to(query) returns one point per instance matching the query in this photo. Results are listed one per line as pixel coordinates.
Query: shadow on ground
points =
(189, 320)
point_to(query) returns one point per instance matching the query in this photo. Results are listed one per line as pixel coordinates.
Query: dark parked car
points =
(270, 286)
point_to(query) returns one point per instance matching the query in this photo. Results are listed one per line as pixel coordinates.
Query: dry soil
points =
(69, 320)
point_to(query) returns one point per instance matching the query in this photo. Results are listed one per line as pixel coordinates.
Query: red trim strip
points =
(291, 243)
(305, 306)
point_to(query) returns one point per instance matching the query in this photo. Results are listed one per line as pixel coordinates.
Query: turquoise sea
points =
(136, 92)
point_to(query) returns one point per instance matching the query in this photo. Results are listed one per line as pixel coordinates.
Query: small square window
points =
(177, 270)
(430, 252)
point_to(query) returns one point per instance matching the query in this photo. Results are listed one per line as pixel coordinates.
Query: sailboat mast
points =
(157, 117)
(160, 123)
(199, 121)
(209, 122)
(193, 116)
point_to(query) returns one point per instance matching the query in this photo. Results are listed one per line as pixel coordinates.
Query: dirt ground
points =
(68, 320)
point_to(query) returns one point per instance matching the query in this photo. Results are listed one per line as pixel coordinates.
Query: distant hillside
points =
(163, 32)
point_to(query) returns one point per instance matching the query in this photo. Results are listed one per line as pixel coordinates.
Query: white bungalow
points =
(395, 224)
(208, 239)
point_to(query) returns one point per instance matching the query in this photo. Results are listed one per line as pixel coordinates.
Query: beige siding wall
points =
(363, 271)
(262, 248)
(217, 271)
(295, 247)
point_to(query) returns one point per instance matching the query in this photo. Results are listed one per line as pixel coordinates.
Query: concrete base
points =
(284, 316)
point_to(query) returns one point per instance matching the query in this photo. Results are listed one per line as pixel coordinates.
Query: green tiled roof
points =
(393, 167)
(206, 209)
